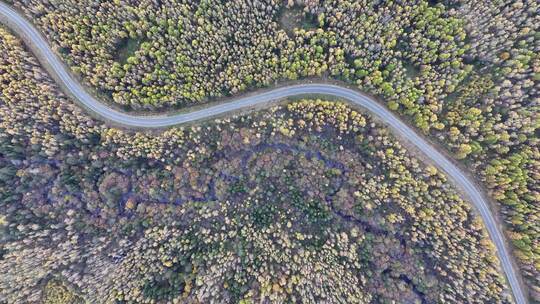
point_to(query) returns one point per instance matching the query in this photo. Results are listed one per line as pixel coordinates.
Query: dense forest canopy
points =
(310, 201)
(466, 73)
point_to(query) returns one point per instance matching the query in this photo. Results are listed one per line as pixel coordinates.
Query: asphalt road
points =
(39, 46)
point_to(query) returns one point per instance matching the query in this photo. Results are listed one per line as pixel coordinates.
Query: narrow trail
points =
(39, 46)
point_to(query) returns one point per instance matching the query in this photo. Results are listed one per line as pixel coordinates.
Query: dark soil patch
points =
(411, 70)
(295, 18)
(126, 48)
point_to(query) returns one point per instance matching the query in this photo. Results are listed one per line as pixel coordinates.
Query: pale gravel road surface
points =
(40, 47)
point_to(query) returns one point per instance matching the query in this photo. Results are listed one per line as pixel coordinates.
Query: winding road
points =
(39, 46)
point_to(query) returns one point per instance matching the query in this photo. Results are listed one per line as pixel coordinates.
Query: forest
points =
(466, 73)
(308, 201)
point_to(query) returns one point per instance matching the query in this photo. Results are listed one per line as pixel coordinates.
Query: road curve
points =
(42, 50)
